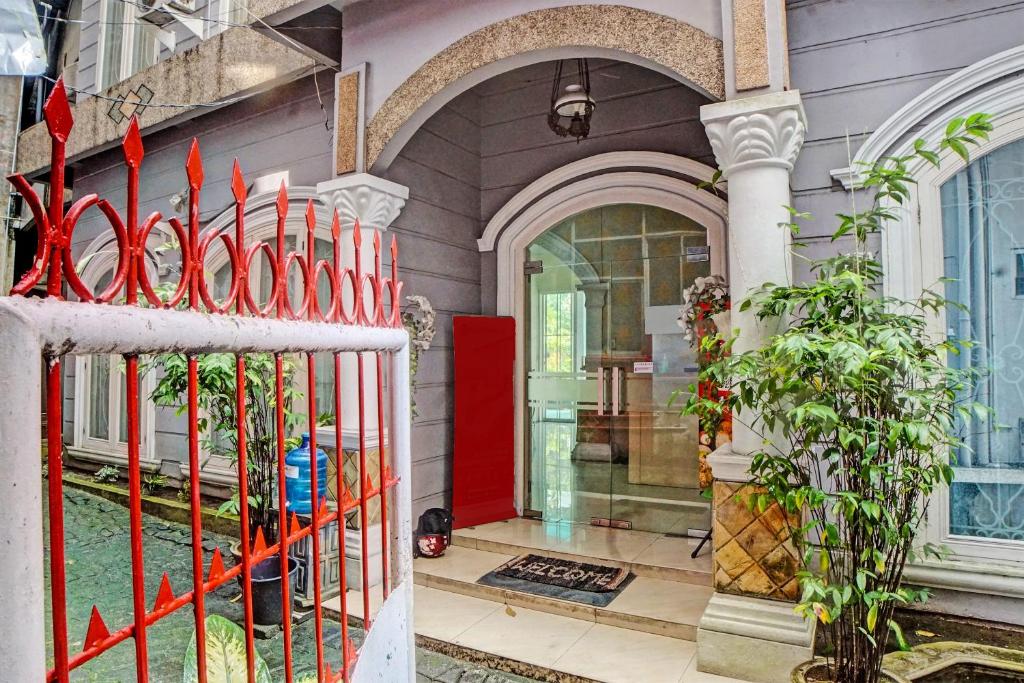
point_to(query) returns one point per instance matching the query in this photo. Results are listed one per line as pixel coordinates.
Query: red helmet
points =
(431, 545)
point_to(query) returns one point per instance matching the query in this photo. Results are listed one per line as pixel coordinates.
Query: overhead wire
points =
(212, 21)
(167, 105)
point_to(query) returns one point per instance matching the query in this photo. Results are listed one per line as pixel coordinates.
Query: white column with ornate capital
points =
(375, 203)
(749, 630)
(756, 141)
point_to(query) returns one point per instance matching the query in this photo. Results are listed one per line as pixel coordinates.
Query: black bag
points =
(433, 532)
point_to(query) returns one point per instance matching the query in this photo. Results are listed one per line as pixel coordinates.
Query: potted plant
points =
(218, 425)
(863, 410)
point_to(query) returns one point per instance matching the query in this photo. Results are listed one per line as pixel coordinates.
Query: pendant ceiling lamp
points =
(571, 107)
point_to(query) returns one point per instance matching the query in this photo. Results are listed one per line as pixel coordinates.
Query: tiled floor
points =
(575, 640)
(647, 604)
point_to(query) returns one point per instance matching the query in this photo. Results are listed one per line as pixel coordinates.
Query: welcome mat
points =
(590, 584)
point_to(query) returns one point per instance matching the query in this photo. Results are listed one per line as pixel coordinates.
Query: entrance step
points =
(649, 605)
(539, 645)
(550, 647)
(644, 553)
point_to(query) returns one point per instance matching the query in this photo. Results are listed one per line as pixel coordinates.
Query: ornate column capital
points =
(374, 201)
(756, 132)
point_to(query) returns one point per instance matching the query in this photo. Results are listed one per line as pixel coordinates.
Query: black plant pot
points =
(266, 589)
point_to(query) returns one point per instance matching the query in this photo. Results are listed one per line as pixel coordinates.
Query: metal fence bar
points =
(243, 516)
(135, 519)
(385, 474)
(364, 491)
(315, 511)
(282, 515)
(195, 504)
(55, 503)
(344, 501)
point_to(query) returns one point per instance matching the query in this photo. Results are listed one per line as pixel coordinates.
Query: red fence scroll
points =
(362, 316)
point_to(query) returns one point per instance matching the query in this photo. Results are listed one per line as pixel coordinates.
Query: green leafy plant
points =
(860, 413)
(151, 483)
(218, 420)
(107, 474)
(225, 655)
(184, 494)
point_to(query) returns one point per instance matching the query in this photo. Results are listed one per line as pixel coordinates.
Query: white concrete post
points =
(375, 203)
(22, 637)
(756, 141)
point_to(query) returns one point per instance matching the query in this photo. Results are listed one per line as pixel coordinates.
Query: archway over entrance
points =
(481, 150)
(655, 41)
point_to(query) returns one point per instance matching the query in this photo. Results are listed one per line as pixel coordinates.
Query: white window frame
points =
(222, 13)
(101, 258)
(126, 68)
(913, 247)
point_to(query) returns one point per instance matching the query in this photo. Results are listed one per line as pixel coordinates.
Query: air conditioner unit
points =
(163, 12)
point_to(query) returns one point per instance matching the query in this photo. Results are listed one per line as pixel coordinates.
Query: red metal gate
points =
(129, 318)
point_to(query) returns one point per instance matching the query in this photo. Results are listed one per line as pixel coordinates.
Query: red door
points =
(483, 472)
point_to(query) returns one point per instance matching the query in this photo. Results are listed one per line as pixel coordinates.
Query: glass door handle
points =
(600, 391)
(615, 389)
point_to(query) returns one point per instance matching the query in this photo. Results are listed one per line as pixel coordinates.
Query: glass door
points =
(567, 420)
(654, 475)
(605, 352)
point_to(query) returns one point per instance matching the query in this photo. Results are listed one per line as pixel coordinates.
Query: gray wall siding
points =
(637, 109)
(89, 56)
(856, 62)
(437, 234)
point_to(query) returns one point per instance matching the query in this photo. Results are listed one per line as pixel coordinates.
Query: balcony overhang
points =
(232, 65)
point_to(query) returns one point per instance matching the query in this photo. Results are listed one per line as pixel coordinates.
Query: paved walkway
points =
(98, 572)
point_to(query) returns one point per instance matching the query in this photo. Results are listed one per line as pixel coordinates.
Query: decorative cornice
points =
(728, 465)
(769, 620)
(373, 201)
(767, 130)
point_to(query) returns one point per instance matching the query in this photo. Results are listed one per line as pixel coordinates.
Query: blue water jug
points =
(297, 477)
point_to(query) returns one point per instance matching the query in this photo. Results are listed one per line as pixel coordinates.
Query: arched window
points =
(261, 225)
(100, 409)
(966, 222)
(983, 247)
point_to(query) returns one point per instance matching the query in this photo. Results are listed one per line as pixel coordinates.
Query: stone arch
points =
(664, 44)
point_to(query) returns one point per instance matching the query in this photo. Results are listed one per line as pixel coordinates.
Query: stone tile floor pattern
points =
(98, 572)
